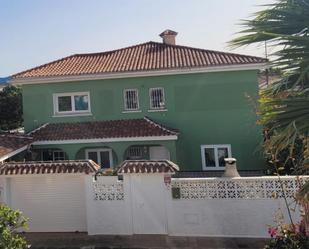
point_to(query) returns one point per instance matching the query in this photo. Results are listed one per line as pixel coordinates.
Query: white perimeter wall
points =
(53, 203)
(109, 213)
(229, 218)
(143, 204)
(242, 207)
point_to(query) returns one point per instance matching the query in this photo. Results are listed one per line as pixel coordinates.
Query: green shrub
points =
(10, 222)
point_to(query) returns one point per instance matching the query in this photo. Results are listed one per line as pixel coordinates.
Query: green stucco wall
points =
(207, 108)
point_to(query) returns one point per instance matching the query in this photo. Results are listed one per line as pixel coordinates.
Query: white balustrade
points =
(237, 188)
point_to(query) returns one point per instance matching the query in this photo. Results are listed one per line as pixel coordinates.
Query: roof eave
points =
(107, 140)
(13, 153)
(57, 79)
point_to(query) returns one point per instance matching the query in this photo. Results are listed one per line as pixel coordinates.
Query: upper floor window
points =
(213, 156)
(71, 103)
(131, 102)
(157, 99)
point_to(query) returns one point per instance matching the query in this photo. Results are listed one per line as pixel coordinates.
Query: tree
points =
(284, 105)
(10, 108)
(10, 222)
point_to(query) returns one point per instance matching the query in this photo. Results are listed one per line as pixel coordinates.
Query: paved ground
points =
(84, 241)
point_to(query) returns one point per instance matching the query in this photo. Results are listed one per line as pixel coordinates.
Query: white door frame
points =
(98, 150)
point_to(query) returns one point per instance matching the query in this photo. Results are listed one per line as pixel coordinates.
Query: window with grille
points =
(131, 102)
(135, 152)
(157, 99)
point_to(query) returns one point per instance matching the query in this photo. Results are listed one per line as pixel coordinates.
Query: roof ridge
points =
(40, 66)
(160, 125)
(37, 129)
(15, 136)
(58, 161)
(77, 54)
(208, 50)
(166, 45)
(115, 50)
(84, 122)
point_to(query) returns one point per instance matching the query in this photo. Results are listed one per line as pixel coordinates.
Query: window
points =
(53, 155)
(71, 103)
(157, 100)
(131, 102)
(213, 156)
(136, 152)
(58, 155)
(103, 157)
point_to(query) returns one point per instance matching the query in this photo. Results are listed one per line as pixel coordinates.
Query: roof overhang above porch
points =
(107, 140)
(125, 130)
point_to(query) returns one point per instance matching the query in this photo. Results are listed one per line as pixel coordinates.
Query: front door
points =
(103, 157)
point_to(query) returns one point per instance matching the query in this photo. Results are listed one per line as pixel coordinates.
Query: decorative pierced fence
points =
(236, 188)
(108, 191)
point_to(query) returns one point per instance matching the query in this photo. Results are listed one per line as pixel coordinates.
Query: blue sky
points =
(34, 32)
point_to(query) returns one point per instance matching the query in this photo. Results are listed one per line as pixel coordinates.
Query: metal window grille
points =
(131, 99)
(157, 100)
(135, 152)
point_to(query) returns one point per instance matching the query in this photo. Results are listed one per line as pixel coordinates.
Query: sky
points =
(34, 32)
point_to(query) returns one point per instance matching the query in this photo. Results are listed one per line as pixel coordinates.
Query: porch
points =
(107, 155)
(107, 143)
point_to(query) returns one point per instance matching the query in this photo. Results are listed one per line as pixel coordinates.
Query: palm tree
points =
(284, 105)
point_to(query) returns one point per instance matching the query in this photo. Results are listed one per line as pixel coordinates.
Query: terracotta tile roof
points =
(142, 57)
(147, 166)
(129, 128)
(48, 167)
(11, 142)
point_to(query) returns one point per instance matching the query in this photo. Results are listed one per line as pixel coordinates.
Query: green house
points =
(148, 101)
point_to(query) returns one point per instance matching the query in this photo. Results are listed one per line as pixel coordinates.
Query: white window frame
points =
(150, 100)
(72, 95)
(99, 157)
(215, 147)
(58, 152)
(126, 109)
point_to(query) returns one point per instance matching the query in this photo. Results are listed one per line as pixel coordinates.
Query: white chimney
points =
(169, 37)
(230, 168)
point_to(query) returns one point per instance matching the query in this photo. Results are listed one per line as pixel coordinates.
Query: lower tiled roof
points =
(147, 166)
(12, 142)
(48, 167)
(128, 128)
